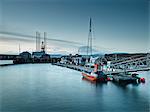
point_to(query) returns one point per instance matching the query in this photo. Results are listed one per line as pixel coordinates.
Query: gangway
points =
(131, 64)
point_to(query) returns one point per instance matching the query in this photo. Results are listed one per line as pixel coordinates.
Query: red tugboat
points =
(96, 75)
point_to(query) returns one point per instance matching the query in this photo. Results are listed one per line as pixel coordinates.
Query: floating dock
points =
(118, 77)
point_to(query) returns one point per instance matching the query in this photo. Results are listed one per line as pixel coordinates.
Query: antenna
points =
(45, 41)
(39, 41)
(36, 41)
(19, 49)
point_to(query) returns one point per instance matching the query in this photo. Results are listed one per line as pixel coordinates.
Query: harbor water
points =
(6, 62)
(50, 88)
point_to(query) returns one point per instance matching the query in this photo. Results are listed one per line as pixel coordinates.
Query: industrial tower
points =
(37, 41)
(43, 45)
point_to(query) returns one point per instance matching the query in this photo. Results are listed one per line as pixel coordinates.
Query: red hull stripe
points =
(91, 78)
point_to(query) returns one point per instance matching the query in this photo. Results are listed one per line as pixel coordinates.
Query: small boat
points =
(128, 78)
(122, 78)
(140, 79)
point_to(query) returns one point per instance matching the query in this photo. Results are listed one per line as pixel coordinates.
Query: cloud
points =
(11, 39)
(53, 45)
(95, 50)
(23, 37)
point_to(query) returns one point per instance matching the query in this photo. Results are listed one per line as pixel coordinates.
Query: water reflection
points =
(43, 87)
(94, 82)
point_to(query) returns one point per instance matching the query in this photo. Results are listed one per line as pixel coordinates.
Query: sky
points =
(117, 25)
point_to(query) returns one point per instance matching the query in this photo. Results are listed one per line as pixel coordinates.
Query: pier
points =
(7, 56)
(119, 70)
(130, 64)
(120, 66)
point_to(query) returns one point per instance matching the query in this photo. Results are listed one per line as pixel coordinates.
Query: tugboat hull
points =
(93, 78)
(88, 77)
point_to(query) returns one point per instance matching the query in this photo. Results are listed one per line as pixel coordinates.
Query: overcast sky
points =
(118, 25)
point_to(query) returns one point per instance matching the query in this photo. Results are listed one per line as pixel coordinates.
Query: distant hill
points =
(56, 55)
(83, 51)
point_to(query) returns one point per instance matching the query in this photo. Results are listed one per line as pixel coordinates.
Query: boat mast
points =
(90, 36)
(89, 46)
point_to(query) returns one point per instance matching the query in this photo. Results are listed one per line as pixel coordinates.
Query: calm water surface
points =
(48, 88)
(6, 62)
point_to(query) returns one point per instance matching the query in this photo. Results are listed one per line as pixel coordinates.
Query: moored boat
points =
(121, 78)
(95, 75)
(140, 79)
(128, 78)
(98, 76)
